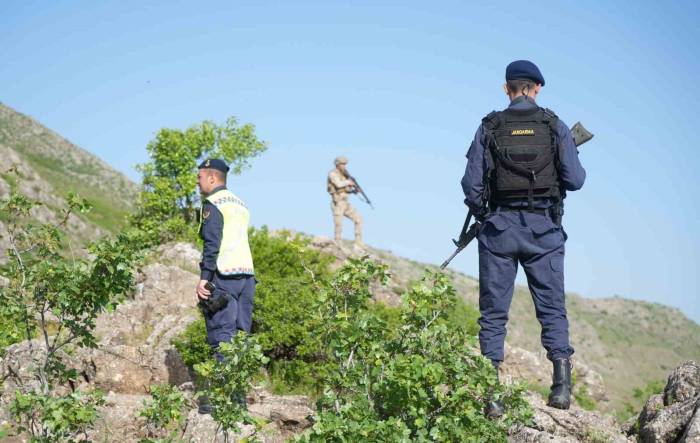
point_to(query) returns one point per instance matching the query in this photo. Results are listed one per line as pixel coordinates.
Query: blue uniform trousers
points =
(238, 313)
(534, 241)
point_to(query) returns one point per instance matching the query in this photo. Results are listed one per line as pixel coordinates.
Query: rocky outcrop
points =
(673, 416)
(135, 351)
(565, 426)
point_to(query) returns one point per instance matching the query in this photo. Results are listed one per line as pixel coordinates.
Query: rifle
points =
(581, 135)
(359, 189)
(465, 236)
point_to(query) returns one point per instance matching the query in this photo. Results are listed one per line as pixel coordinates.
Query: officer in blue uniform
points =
(225, 295)
(520, 165)
(238, 289)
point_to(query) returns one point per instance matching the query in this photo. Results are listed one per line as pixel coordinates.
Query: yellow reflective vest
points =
(234, 252)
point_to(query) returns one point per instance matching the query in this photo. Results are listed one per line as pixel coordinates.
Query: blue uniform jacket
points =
(571, 173)
(212, 231)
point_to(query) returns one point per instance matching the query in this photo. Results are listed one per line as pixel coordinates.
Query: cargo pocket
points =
(547, 235)
(556, 261)
(491, 234)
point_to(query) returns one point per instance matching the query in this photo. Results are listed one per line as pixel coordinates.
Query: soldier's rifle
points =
(359, 189)
(468, 233)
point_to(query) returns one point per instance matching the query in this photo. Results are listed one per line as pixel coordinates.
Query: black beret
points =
(214, 163)
(524, 69)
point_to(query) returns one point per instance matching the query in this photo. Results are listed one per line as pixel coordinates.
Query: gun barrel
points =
(449, 259)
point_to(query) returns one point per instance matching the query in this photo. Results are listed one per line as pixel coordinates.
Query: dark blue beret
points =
(214, 163)
(524, 69)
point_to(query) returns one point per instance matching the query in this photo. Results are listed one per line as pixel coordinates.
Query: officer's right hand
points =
(202, 292)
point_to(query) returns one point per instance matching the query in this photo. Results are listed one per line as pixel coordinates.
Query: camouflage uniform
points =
(339, 187)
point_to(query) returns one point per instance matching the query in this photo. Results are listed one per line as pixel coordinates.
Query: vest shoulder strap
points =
(492, 120)
(549, 117)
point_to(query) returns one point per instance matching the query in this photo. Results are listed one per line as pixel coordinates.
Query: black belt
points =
(525, 209)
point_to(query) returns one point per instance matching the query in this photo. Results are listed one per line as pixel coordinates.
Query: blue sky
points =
(399, 87)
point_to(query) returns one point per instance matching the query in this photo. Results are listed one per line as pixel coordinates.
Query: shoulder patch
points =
(206, 213)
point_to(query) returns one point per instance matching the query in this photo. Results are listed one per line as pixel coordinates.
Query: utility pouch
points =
(214, 303)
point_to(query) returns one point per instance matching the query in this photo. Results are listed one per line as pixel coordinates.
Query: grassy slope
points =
(68, 168)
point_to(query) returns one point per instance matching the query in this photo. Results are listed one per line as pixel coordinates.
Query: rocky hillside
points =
(135, 352)
(627, 343)
(51, 166)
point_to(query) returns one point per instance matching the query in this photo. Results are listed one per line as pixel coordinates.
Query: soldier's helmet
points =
(342, 160)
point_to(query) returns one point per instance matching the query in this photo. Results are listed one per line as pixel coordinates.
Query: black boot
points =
(560, 394)
(204, 405)
(494, 407)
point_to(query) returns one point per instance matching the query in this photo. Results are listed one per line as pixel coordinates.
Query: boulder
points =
(674, 416)
(572, 425)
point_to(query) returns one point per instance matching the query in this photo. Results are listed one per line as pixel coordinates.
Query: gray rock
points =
(668, 424)
(203, 429)
(572, 425)
(683, 383)
(692, 431)
(289, 412)
(673, 416)
(651, 409)
(182, 255)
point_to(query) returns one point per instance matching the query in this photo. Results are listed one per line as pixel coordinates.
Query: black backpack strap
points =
(552, 121)
(492, 121)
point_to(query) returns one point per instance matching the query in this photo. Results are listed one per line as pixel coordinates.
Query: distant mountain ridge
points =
(51, 166)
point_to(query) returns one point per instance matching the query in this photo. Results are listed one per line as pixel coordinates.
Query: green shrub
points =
(53, 418)
(164, 414)
(465, 316)
(192, 344)
(57, 299)
(584, 399)
(166, 204)
(424, 383)
(289, 273)
(229, 380)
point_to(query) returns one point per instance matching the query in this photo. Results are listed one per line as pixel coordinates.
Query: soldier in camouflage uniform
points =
(339, 186)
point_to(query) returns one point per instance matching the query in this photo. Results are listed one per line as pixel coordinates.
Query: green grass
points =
(107, 213)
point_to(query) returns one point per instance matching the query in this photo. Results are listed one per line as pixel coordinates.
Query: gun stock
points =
(581, 134)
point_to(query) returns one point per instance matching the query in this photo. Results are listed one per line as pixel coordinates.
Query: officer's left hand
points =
(202, 292)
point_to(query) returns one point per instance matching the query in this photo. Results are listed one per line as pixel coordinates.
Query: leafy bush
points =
(58, 299)
(426, 383)
(52, 418)
(287, 272)
(192, 344)
(229, 379)
(412, 373)
(166, 204)
(164, 414)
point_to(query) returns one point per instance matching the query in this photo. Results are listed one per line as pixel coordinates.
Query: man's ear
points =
(505, 89)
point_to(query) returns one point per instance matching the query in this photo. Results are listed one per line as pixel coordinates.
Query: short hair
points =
(520, 85)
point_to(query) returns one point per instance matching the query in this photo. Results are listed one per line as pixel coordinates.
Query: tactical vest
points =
(524, 158)
(234, 252)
